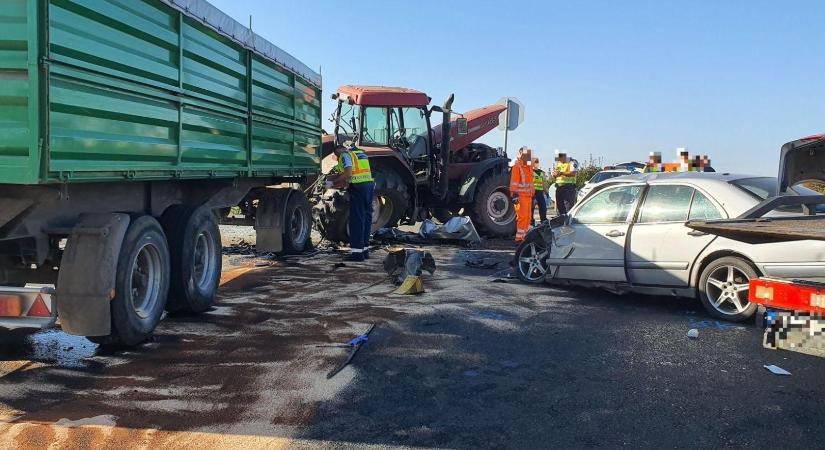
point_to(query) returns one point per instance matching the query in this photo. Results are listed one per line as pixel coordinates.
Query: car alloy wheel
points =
(532, 261)
(727, 290)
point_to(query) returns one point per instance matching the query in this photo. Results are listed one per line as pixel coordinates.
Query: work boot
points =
(354, 257)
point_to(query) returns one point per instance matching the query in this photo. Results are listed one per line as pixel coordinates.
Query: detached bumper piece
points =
(29, 308)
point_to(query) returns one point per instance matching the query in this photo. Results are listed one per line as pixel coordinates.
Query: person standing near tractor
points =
(354, 174)
(540, 182)
(522, 188)
(564, 175)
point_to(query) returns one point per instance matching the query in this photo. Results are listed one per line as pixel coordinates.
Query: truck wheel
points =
(723, 288)
(492, 212)
(297, 223)
(195, 244)
(391, 199)
(141, 283)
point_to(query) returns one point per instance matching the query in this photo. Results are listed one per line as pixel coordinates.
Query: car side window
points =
(703, 208)
(612, 205)
(666, 204)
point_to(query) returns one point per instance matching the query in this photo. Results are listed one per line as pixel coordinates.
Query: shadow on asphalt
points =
(599, 370)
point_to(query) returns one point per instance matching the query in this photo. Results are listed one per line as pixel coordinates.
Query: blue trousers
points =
(360, 215)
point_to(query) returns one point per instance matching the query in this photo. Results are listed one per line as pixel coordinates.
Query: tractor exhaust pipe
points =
(443, 181)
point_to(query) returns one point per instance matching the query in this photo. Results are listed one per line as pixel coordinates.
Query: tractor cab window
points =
(375, 127)
(409, 131)
(347, 126)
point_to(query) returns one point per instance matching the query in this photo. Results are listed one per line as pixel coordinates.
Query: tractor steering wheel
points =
(399, 139)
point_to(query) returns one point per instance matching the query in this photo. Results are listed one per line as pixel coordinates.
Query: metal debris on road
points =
(458, 230)
(776, 370)
(406, 262)
(356, 344)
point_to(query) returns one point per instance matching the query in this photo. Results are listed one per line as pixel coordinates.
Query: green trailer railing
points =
(108, 90)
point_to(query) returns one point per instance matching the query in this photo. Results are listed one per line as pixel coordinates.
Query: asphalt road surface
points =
(472, 363)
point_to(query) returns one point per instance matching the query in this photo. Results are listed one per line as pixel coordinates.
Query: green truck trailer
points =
(125, 125)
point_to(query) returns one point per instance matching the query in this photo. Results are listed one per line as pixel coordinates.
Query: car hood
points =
(802, 161)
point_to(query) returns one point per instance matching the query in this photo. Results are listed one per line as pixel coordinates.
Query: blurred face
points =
(526, 156)
(562, 157)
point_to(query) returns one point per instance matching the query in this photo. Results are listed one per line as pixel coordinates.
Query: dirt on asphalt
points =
(470, 363)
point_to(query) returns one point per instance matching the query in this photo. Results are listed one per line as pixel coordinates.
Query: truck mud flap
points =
(269, 220)
(86, 280)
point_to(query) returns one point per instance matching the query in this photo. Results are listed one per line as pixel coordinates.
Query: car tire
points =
(141, 284)
(195, 244)
(530, 261)
(722, 288)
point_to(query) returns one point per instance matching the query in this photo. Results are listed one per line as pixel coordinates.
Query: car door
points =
(598, 228)
(662, 248)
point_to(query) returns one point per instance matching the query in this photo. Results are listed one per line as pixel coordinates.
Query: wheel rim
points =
(727, 290)
(203, 263)
(498, 207)
(298, 228)
(382, 209)
(144, 284)
(532, 261)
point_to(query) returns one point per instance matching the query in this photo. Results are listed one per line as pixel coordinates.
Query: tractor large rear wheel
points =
(492, 211)
(389, 205)
(391, 199)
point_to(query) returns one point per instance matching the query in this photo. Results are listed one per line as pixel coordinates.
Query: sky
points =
(612, 79)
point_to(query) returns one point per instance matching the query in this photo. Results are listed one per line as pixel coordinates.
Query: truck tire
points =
(297, 223)
(141, 283)
(723, 279)
(492, 211)
(392, 199)
(195, 245)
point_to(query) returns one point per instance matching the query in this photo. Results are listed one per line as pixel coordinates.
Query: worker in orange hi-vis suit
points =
(522, 189)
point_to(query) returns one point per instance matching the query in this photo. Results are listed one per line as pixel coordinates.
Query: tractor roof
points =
(383, 96)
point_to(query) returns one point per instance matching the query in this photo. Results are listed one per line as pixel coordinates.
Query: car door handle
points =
(696, 233)
(615, 233)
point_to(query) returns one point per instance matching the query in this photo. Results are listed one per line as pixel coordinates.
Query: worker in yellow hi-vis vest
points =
(564, 175)
(354, 174)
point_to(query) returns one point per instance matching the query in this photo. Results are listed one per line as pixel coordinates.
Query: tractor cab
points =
(385, 120)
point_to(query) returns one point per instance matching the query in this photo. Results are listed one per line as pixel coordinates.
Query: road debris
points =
(483, 263)
(455, 229)
(693, 333)
(412, 285)
(776, 370)
(356, 344)
(405, 262)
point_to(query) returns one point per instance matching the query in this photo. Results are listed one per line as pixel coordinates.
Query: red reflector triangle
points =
(39, 308)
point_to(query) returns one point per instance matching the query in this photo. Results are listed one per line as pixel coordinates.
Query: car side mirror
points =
(461, 126)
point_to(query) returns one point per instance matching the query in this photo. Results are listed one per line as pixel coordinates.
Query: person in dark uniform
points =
(354, 173)
(540, 181)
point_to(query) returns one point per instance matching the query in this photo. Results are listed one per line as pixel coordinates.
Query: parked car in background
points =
(629, 235)
(601, 176)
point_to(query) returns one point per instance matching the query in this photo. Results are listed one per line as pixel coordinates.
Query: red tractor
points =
(418, 174)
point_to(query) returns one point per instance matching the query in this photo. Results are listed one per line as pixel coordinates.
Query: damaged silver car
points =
(631, 236)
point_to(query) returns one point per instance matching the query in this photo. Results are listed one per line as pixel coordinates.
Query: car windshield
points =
(601, 176)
